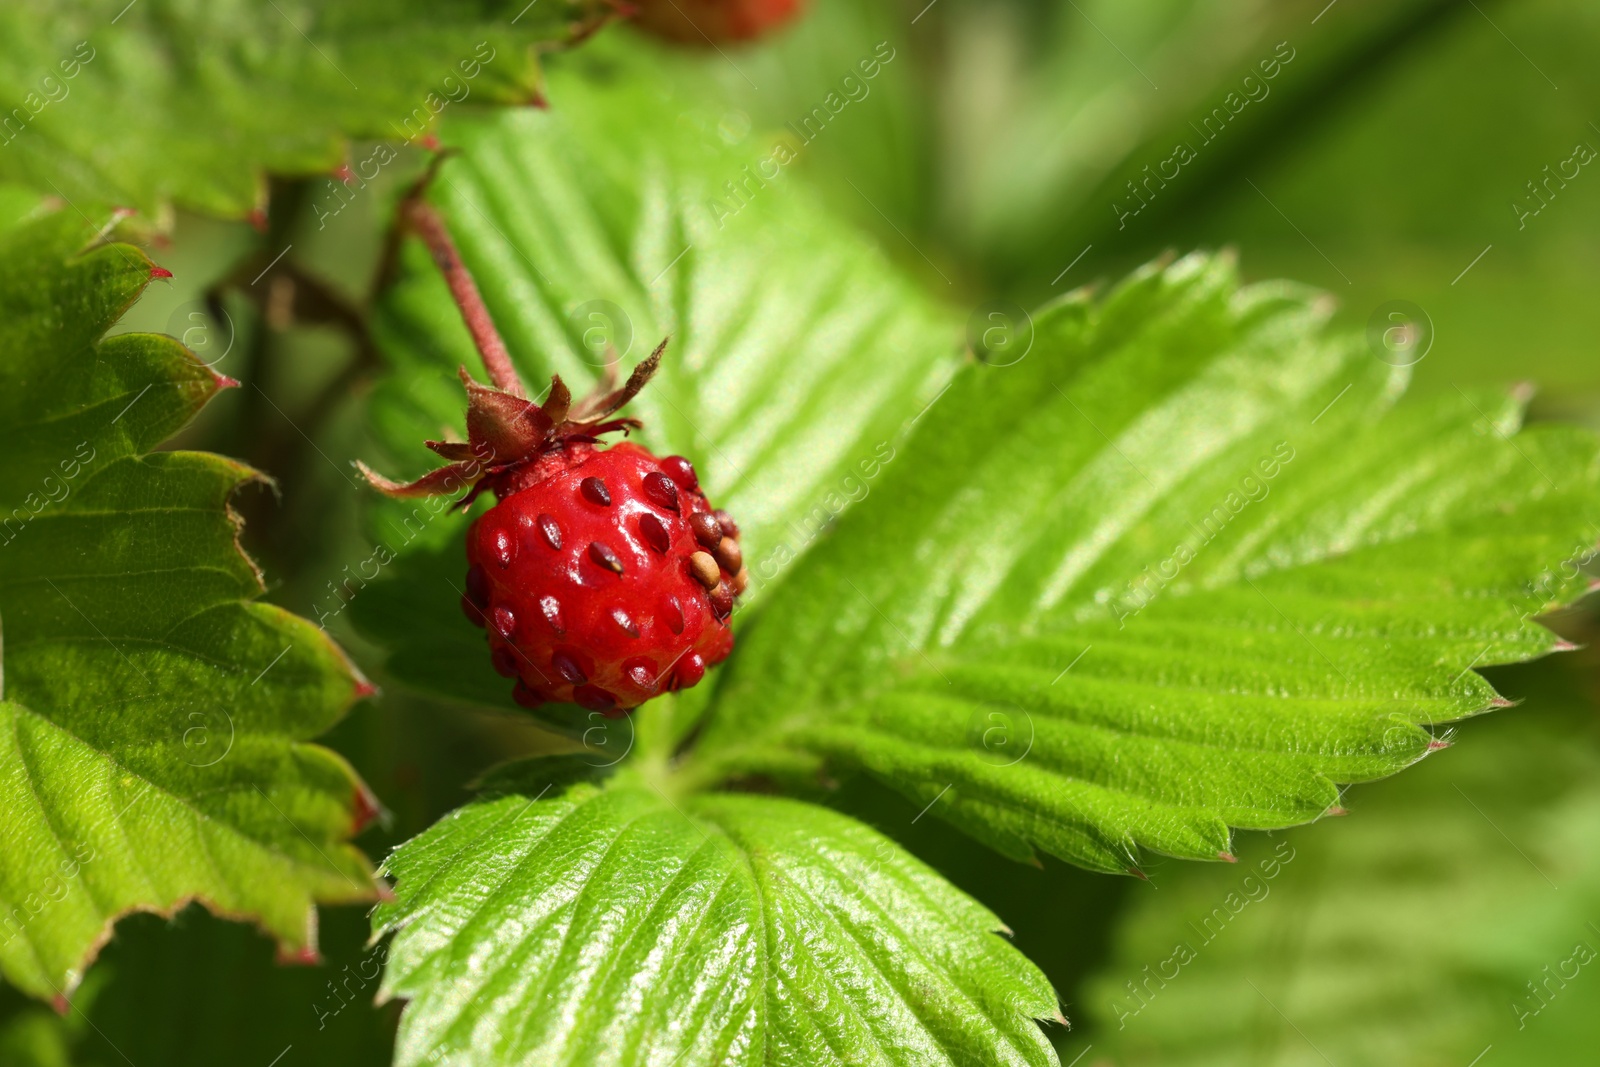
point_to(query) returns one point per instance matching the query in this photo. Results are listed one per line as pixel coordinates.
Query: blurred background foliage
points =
(990, 156)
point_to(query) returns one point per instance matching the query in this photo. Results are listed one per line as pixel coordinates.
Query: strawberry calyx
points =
(513, 442)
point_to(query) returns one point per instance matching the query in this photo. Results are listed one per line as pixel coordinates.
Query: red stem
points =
(496, 360)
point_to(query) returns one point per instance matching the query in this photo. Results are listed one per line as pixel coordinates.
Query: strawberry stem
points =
(427, 224)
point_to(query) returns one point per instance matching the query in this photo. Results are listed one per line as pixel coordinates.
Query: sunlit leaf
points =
(155, 713)
(156, 101)
(617, 926)
(1184, 567)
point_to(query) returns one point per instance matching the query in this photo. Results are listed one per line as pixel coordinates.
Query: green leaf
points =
(196, 991)
(158, 101)
(616, 926)
(154, 712)
(1275, 577)
(1409, 932)
(796, 357)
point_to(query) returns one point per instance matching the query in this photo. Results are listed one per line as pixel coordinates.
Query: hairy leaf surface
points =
(1184, 567)
(154, 713)
(157, 101)
(615, 926)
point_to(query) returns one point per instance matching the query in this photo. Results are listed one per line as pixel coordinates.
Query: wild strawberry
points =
(602, 575)
(713, 21)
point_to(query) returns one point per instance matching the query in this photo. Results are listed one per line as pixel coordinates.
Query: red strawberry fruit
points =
(602, 575)
(604, 580)
(714, 21)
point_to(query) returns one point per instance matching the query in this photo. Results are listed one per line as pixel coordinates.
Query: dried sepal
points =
(507, 432)
(451, 478)
(606, 399)
(558, 405)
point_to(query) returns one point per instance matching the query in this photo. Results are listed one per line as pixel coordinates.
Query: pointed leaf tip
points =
(366, 809)
(1227, 857)
(307, 956)
(1336, 811)
(1434, 746)
(159, 272)
(1137, 873)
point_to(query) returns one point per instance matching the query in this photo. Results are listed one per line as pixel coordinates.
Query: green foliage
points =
(735, 930)
(160, 100)
(155, 713)
(1417, 226)
(1186, 564)
(1259, 75)
(1274, 576)
(1004, 132)
(236, 1001)
(1289, 957)
(796, 354)
(1184, 560)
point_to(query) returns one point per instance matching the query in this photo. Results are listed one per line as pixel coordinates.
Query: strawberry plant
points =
(668, 578)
